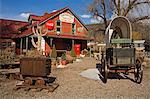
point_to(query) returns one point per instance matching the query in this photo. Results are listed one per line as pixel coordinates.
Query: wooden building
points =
(67, 31)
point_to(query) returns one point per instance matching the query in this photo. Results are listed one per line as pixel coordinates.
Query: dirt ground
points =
(73, 86)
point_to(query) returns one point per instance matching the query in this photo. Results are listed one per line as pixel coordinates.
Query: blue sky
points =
(20, 9)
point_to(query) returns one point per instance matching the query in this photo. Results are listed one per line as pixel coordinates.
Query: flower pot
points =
(63, 62)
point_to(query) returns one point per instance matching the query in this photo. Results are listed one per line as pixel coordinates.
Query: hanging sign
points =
(49, 25)
(66, 17)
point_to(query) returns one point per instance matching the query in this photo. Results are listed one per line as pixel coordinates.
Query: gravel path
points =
(73, 86)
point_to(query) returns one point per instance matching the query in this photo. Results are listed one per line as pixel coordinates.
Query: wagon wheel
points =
(104, 70)
(139, 72)
(40, 81)
(28, 81)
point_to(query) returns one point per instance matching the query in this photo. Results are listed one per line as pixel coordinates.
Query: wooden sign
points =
(66, 17)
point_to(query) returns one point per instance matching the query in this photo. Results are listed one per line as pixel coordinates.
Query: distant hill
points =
(143, 27)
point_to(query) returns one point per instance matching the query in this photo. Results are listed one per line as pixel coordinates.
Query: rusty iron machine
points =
(120, 56)
(35, 73)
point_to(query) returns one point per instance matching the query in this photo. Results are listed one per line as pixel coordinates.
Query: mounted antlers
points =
(39, 32)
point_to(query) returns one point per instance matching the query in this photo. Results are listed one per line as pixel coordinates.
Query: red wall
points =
(67, 27)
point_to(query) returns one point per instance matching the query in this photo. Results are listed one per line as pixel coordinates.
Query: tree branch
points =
(139, 3)
(140, 18)
(130, 6)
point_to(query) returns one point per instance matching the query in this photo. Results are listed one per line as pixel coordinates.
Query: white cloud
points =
(93, 20)
(86, 16)
(113, 16)
(25, 15)
(54, 10)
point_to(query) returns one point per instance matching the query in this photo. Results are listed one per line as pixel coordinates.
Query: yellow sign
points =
(66, 17)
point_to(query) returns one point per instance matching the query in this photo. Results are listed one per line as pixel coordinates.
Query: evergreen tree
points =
(54, 53)
(73, 54)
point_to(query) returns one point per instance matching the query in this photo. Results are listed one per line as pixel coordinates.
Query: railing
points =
(147, 54)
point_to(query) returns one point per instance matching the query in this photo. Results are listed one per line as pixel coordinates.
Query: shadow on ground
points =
(112, 75)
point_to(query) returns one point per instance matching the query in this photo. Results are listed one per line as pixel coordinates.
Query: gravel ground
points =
(73, 86)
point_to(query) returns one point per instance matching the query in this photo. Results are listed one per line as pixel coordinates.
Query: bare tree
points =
(135, 10)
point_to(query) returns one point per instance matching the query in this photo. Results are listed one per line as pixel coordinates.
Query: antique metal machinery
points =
(119, 56)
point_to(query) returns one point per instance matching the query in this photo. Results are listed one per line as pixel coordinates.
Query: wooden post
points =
(26, 43)
(72, 43)
(21, 46)
(90, 50)
(51, 41)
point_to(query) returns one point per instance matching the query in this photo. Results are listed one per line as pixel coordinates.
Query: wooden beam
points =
(21, 46)
(26, 43)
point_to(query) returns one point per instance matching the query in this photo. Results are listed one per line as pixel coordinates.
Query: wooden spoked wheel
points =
(40, 81)
(104, 70)
(138, 75)
(28, 81)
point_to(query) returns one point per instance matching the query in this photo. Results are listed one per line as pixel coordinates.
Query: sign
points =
(66, 17)
(80, 29)
(77, 49)
(121, 41)
(49, 25)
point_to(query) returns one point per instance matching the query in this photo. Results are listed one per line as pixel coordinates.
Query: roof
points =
(45, 16)
(26, 32)
(9, 28)
(48, 16)
(15, 25)
(68, 36)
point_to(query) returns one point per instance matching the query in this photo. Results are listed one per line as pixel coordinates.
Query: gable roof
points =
(10, 28)
(48, 16)
(45, 16)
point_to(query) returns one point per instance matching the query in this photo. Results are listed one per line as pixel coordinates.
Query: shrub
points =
(73, 54)
(63, 56)
(53, 53)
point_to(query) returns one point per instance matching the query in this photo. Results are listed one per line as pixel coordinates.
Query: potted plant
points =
(63, 59)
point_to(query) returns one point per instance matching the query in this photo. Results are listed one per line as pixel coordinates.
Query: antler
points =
(33, 43)
(34, 30)
(39, 33)
(45, 32)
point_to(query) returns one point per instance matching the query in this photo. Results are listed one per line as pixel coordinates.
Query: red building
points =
(66, 31)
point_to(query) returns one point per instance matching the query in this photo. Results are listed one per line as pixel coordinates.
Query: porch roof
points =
(68, 36)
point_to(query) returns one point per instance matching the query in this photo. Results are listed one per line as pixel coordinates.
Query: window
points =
(73, 28)
(58, 23)
(139, 45)
(58, 29)
(58, 26)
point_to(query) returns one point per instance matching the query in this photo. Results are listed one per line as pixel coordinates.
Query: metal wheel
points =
(104, 70)
(139, 72)
(28, 81)
(40, 81)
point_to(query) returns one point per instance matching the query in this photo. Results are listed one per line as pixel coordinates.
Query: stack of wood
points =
(7, 56)
(34, 53)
